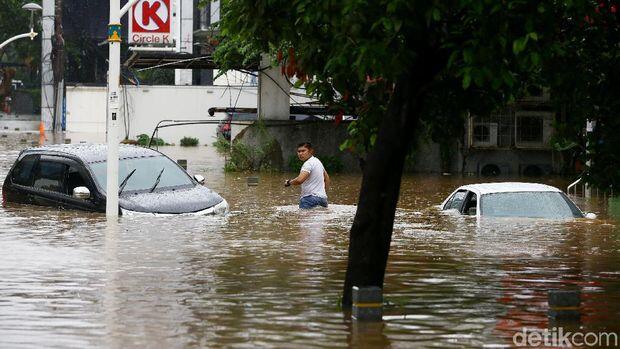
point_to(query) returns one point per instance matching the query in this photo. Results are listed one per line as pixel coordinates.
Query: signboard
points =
(150, 23)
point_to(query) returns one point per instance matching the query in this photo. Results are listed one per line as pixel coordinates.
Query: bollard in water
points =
(67, 140)
(182, 163)
(252, 181)
(564, 304)
(367, 303)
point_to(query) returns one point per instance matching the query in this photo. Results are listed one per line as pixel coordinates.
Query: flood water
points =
(269, 275)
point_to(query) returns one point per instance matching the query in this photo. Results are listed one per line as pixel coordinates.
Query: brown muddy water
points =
(269, 275)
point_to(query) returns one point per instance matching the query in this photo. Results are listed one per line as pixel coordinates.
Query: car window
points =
(470, 202)
(50, 175)
(456, 201)
(528, 204)
(74, 179)
(22, 173)
(145, 176)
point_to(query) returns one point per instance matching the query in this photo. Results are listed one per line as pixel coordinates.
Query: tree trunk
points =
(371, 233)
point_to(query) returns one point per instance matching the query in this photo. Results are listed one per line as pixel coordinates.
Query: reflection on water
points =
(270, 275)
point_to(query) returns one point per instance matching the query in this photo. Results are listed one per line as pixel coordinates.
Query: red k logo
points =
(151, 16)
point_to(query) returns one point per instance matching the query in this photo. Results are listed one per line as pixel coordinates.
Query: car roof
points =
(89, 152)
(508, 187)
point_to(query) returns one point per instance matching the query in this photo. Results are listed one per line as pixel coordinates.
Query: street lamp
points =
(32, 7)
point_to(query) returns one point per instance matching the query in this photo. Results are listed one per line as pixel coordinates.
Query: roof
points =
(508, 187)
(89, 152)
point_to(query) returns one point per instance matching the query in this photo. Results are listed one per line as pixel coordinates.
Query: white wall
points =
(147, 105)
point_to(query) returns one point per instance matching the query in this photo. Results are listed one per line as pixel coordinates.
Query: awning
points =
(170, 60)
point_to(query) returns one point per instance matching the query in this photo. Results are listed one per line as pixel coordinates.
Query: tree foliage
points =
(584, 80)
(350, 53)
(398, 62)
(23, 52)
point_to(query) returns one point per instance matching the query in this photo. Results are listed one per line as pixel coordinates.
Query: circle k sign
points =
(150, 22)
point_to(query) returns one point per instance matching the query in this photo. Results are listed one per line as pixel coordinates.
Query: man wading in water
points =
(313, 178)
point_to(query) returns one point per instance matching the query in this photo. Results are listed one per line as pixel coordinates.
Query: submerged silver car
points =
(513, 199)
(74, 177)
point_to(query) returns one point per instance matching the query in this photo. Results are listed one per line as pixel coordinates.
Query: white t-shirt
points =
(315, 183)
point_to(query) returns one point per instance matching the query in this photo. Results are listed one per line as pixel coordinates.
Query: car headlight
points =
(221, 208)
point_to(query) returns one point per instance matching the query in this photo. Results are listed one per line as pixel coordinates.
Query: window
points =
(456, 201)
(22, 173)
(530, 128)
(528, 204)
(74, 180)
(50, 176)
(482, 133)
(145, 176)
(472, 200)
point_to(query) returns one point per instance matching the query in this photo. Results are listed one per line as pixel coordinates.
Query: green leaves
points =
(519, 44)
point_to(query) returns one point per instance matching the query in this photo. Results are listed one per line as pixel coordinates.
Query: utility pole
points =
(47, 72)
(590, 125)
(113, 103)
(59, 67)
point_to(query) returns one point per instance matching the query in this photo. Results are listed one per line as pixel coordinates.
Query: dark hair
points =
(305, 144)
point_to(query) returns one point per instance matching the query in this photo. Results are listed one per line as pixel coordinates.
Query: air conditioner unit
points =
(485, 134)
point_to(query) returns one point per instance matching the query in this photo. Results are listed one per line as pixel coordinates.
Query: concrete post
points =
(587, 190)
(252, 181)
(564, 304)
(47, 73)
(114, 41)
(367, 303)
(274, 101)
(185, 14)
(113, 104)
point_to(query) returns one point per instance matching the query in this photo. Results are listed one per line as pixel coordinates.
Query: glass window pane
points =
(456, 201)
(146, 173)
(50, 176)
(22, 172)
(527, 204)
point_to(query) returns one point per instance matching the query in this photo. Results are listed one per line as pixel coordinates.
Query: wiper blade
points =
(157, 180)
(124, 182)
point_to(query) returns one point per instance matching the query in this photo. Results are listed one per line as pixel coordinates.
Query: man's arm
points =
(303, 175)
(326, 179)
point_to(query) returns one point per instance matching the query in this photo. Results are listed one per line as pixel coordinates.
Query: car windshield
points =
(528, 204)
(145, 176)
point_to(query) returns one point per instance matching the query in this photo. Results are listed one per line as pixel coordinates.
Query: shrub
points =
(332, 164)
(189, 142)
(222, 145)
(143, 140)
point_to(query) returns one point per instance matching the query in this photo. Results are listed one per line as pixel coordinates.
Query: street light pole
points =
(31, 35)
(113, 104)
(32, 8)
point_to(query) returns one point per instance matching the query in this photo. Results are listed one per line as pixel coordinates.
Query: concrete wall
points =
(147, 105)
(326, 138)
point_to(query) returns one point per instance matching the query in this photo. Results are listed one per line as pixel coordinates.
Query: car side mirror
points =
(590, 215)
(81, 193)
(471, 211)
(200, 179)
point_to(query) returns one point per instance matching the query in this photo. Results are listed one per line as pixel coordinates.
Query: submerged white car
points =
(513, 199)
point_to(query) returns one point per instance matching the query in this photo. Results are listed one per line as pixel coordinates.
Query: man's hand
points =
(287, 183)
